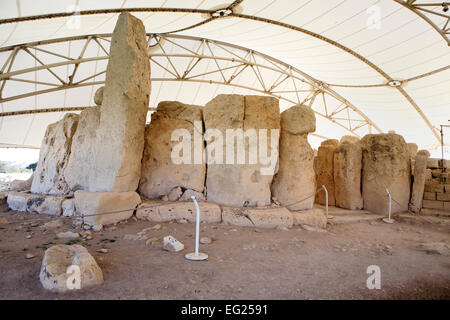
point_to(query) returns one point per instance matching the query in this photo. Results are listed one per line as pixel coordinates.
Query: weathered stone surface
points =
(59, 258)
(294, 184)
(325, 171)
(45, 204)
(160, 174)
(349, 139)
(419, 181)
(53, 157)
(269, 218)
(22, 185)
(120, 136)
(88, 203)
(175, 194)
(37, 203)
(68, 207)
(386, 164)
(347, 175)
(189, 193)
(433, 204)
(18, 201)
(164, 212)
(314, 218)
(98, 97)
(81, 165)
(433, 163)
(412, 149)
(228, 181)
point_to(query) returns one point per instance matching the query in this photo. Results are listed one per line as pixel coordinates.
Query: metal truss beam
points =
(232, 65)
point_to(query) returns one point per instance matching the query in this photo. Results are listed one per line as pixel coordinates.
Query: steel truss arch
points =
(232, 65)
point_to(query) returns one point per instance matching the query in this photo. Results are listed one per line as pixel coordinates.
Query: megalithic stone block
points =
(294, 185)
(386, 164)
(120, 136)
(418, 188)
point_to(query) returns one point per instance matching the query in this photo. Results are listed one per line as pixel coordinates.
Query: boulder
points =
(120, 136)
(187, 196)
(294, 184)
(45, 204)
(57, 273)
(35, 203)
(314, 218)
(418, 187)
(98, 97)
(164, 212)
(245, 178)
(53, 157)
(161, 172)
(347, 175)
(80, 167)
(325, 171)
(89, 203)
(175, 194)
(68, 207)
(349, 139)
(386, 164)
(22, 185)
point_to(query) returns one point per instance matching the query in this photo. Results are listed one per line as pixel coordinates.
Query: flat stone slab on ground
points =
(169, 211)
(314, 218)
(269, 218)
(121, 203)
(35, 203)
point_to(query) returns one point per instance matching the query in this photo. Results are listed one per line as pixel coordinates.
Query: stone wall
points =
(437, 185)
(325, 171)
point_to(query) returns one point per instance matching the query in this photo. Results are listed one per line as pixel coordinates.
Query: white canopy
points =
(363, 66)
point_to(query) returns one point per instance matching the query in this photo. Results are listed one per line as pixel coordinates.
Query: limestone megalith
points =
(386, 164)
(233, 183)
(120, 136)
(418, 187)
(294, 184)
(347, 175)
(160, 173)
(325, 171)
(53, 157)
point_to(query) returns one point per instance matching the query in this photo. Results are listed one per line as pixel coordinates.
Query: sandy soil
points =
(244, 263)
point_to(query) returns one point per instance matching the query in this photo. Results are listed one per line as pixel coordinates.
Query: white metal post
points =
(196, 256)
(388, 220)
(326, 202)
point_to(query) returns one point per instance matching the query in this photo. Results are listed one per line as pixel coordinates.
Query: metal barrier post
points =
(196, 256)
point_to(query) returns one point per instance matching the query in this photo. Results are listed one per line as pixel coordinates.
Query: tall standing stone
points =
(120, 137)
(53, 157)
(160, 172)
(420, 176)
(229, 182)
(347, 175)
(294, 185)
(386, 164)
(325, 171)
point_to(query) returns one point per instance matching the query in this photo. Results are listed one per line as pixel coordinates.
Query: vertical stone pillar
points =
(347, 175)
(120, 136)
(420, 176)
(325, 169)
(294, 185)
(386, 163)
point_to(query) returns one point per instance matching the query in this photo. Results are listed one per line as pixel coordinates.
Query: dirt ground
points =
(244, 263)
